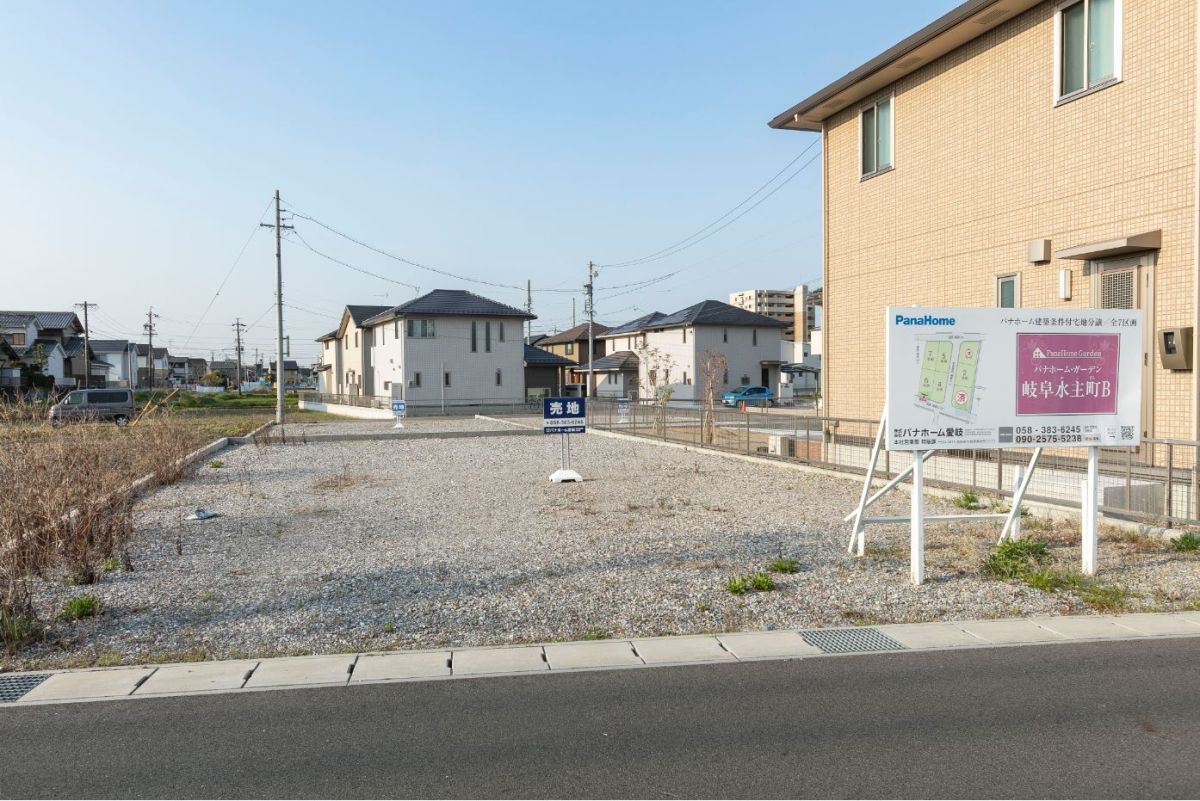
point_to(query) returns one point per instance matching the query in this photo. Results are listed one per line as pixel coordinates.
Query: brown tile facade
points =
(985, 162)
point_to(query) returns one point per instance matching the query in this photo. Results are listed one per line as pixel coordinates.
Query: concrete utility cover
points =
(668, 650)
(498, 660)
(302, 670)
(767, 644)
(390, 667)
(198, 677)
(577, 655)
(88, 684)
(1005, 632)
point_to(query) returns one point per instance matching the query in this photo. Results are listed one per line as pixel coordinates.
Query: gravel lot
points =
(335, 546)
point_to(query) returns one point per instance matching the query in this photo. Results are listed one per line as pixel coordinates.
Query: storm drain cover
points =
(13, 688)
(849, 641)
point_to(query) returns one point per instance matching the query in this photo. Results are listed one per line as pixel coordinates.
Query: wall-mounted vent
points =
(908, 62)
(991, 16)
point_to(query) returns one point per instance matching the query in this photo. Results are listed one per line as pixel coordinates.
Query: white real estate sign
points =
(1012, 378)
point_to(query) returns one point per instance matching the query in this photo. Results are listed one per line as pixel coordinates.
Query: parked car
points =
(94, 404)
(753, 396)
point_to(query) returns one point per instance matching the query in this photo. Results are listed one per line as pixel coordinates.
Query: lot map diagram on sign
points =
(1012, 378)
(949, 369)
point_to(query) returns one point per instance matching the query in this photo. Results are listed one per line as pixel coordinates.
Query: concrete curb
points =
(357, 669)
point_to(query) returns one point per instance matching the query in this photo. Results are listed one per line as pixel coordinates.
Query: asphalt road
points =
(1091, 720)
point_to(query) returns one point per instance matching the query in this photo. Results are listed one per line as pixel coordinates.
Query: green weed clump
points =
(1186, 542)
(81, 606)
(967, 500)
(785, 564)
(762, 582)
(1015, 558)
(737, 585)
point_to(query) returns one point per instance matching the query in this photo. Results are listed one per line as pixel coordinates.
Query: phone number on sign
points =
(1042, 435)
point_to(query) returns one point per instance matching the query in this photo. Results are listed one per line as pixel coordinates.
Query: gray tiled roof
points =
(536, 357)
(47, 344)
(159, 353)
(619, 361)
(574, 334)
(331, 335)
(42, 319)
(73, 345)
(108, 345)
(451, 303)
(360, 314)
(715, 312)
(636, 325)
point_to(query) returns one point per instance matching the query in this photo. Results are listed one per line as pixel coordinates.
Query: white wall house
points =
(674, 346)
(448, 346)
(119, 355)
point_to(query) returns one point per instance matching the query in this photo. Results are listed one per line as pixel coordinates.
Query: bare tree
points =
(712, 365)
(654, 376)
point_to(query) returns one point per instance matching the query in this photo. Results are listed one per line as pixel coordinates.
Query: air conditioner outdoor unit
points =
(779, 445)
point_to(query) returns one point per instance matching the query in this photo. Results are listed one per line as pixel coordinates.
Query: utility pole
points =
(590, 309)
(278, 309)
(572, 312)
(528, 310)
(87, 346)
(148, 328)
(238, 325)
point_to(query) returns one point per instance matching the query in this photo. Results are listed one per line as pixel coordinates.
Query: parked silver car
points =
(94, 404)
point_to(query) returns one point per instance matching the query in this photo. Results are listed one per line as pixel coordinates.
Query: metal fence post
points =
(1170, 481)
(747, 415)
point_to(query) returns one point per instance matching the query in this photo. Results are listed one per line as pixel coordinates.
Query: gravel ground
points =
(336, 546)
(421, 424)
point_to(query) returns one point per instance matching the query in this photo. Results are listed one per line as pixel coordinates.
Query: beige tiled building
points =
(1014, 153)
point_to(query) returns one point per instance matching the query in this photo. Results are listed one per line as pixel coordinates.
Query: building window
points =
(500, 336)
(875, 123)
(474, 337)
(499, 378)
(326, 343)
(724, 334)
(416, 380)
(684, 338)
(383, 335)
(487, 336)
(725, 377)
(1088, 55)
(356, 339)
(387, 384)
(570, 348)
(446, 378)
(685, 378)
(395, 329)
(754, 337)
(1008, 291)
(419, 329)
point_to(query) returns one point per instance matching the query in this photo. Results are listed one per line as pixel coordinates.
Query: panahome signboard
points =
(1013, 378)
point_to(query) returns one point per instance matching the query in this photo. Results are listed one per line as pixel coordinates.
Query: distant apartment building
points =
(781, 305)
(1015, 154)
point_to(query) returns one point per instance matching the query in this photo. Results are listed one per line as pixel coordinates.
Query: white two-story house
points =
(449, 347)
(669, 352)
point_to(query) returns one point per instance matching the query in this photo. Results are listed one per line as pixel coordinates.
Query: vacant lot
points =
(391, 543)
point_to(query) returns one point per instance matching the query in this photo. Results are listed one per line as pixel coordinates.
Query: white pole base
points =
(559, 476)
(399, 424)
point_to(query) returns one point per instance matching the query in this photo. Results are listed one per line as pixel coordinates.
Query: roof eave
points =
(934, 41)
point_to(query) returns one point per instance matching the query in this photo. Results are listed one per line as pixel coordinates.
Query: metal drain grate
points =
(849, 641)
(13, 688)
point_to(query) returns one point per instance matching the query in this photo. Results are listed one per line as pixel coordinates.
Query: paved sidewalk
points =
(352, 670)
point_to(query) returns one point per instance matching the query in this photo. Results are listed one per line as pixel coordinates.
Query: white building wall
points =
(472, 374)
(387, 358)
(670, 345)
(119, 361)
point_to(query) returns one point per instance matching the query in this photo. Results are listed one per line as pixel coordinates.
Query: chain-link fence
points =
(1154, 483)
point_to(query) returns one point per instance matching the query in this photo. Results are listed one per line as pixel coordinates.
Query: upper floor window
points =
(356, 339)
(487, 336)
(1088, 54)
(876, 125)
(419, 329)
(570, 348)
(500, 334)
(474, 337)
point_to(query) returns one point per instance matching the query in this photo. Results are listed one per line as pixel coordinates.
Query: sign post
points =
(399, 408)
(623, 410)
(982, 378)
(564, 416)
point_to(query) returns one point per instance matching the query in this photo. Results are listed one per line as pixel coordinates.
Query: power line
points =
(232, 267)
(696, 238)
(348, 265)
(410, 262)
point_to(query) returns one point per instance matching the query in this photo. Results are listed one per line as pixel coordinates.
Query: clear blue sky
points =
(508, 141)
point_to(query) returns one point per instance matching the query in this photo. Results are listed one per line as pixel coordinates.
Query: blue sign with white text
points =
(564, 416)
(398, 408)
